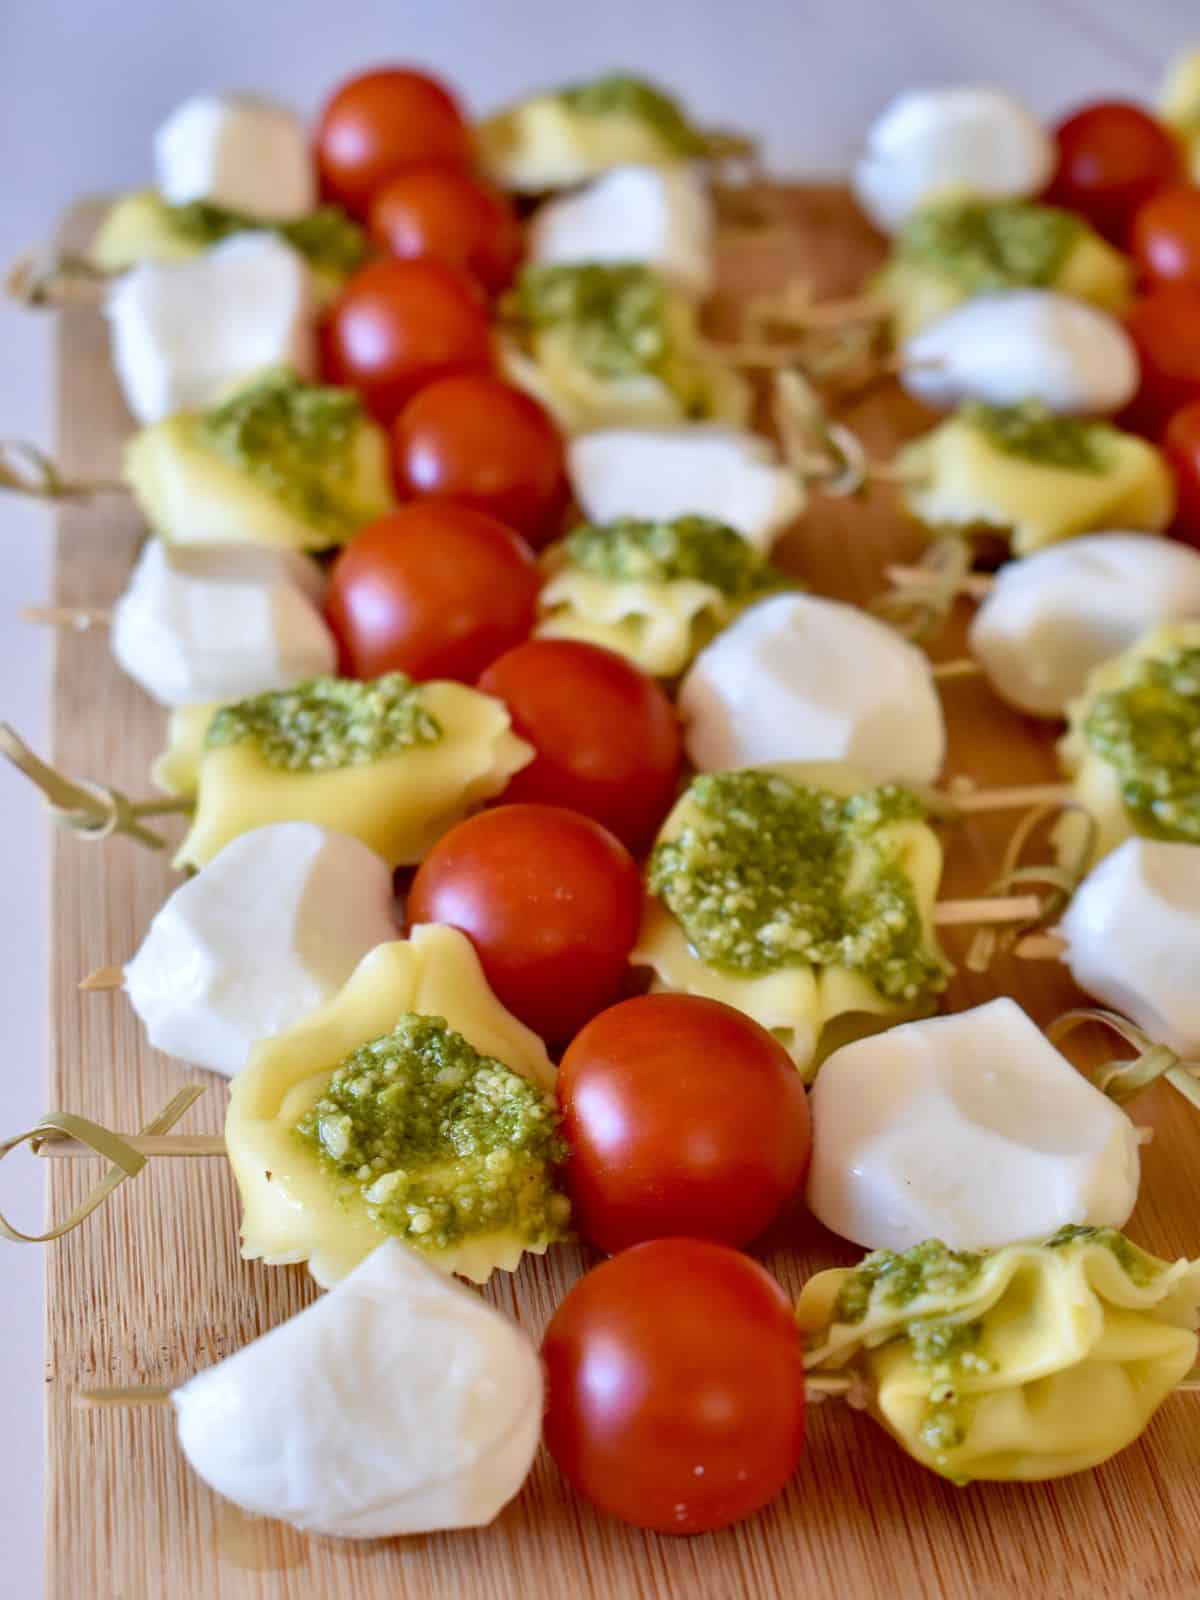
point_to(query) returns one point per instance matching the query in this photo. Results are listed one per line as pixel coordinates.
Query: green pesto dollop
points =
(896, 1278)
(442, 1143)
(620, 94)
(693, 547)
(328, 723)
(297, 439)
(1035, 433)
(1149, 731)
(767, 873)
(985, 246)
(947, 1351)
(327, 239)
(1137, 1266)
(615, 316)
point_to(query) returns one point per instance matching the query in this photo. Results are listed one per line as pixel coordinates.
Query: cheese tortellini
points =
(655, 592)
(1023, 1363)
(391, 763)
(802, 896)
(280, 462)
(602, 345)
(1024, 472)
(1179, 106)
(411, 1105)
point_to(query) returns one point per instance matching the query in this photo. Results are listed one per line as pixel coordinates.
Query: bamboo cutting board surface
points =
(152, 1287)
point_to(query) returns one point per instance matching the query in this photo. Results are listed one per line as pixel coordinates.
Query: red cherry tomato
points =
(377, 124)
(676, 1386)
(550, 900)
(1165, 326)
(480, 441)
(1111, 158)
(434, 590)
(1182, 444)
(683, 1117)
(1165, 240)
(606, 735)
(398, 325)
(445, 213)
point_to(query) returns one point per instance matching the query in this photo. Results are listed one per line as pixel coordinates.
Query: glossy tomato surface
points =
(1112, 156)
(381, 122)
(683, 1117)
(398, 325)
(1165, 240)
(1165, 326)
(1182, 444)
(550, 900)
(484, 443)
(606, 735)
(434, 590)
(444, 212)
(675, 1386)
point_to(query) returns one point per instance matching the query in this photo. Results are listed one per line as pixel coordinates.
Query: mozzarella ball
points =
(238, 152)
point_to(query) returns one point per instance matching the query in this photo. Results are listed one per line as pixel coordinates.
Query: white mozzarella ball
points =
(399, 1402)
(239, 152)
(259, 938)
(661, 216)
(1027, 344)
(1133, 938)
(971, 1129)
(196, 625)
(662, 473)
(1053, 616)
(931, 141)
(182, 332)
(797, 678)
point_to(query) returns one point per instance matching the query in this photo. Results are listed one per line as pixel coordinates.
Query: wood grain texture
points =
(153, 1288)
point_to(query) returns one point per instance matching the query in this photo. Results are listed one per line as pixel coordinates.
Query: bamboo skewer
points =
(975, 585)
(56, 1147)
(1016, 798)
(78, 617)
(1041, 947)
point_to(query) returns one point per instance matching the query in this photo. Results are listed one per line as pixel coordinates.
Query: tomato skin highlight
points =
(434, 590)
(375, 125)
(1112, 156)
(675, 1382)
(683, 1117)
(398, 325)
(607, 737)
(1165, 238)
(444, 213)
(1181, 442)
(481, 442)
(550, 900)
(1164, 324)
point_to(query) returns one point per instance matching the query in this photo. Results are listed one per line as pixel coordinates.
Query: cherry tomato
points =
(683, 1117)
(443, 212)
(1112, 156)
(606, 735)
(377, 124)
(398, 325)
(1165, 326)
(1165, 240)
(1182, 444)
(550, 900)
(676, 1386)
(480, 441)
(434, 590)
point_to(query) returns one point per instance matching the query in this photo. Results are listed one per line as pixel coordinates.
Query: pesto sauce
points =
(619, 94)
(1149, 731)
(1033, 432)
(895, 1279)
(328, 723)
(1140, 1268)
(327, 239)
(298, 440)
(615, 316)
(442, 1143)
(947, 1351)
(759, 880)
(985, 246)
(692, 547)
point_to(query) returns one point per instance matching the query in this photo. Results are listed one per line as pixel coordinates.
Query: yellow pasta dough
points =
(1179, 106)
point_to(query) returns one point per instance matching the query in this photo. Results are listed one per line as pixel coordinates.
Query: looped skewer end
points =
(919, 605)
(1123, 1080)
(822, 453)
(1060, 879)
(127, 1161)
(24, 469)
(48, 279)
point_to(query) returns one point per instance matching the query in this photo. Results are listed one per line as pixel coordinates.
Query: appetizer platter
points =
(626, 918)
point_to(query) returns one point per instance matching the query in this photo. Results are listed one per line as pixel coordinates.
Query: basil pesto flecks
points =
(327, 239)
(328, 723)
(1137, 1266)
(619, 94)
(298, 439)
(1033, 432)
(766, 873)
(1149, 731)
(1004, 244)
(692, 547)
(896, 1278)
(615, 316)
(442, 1143)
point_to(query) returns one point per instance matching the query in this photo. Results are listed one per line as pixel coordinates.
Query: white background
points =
(81, 87)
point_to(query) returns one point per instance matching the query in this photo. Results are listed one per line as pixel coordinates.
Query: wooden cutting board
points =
(152, 1287)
